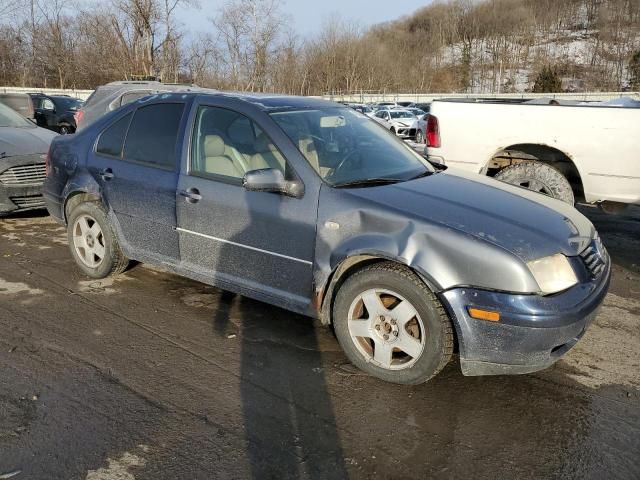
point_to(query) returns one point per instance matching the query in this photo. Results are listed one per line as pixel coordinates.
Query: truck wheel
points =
(538, 177)
(93, 243)
(391, 325)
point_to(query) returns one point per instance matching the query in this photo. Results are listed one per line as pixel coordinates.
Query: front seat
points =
(266, 156)
(216, 161)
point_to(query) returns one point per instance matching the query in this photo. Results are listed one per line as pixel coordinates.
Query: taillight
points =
(433, 132)
(78, 117)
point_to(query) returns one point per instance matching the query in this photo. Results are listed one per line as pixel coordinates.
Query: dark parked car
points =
(20, 102)
(56, 112)
(308, 205)
(114, 95)
(23, 147)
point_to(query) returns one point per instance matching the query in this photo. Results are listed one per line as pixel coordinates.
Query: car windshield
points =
(345, 147)
(9, 118)
(401, 114)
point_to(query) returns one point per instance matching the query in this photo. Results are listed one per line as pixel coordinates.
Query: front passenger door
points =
(259, 244)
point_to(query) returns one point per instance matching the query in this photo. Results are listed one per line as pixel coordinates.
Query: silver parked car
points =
(112, 96)
(401, 122)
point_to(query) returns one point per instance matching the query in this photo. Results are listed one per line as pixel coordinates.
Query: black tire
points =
(419, 136)
(438, 340)
(538, 177)
(113, 260)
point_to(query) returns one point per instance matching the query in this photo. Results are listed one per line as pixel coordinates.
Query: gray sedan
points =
(308, 205)
(23, 147)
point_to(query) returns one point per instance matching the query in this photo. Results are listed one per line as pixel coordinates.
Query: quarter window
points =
(112, 139)
(228, 144)
(153, 135)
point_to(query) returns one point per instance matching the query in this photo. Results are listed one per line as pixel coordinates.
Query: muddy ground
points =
(151, 376)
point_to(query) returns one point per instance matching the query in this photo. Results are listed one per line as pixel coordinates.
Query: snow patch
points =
(118, 469)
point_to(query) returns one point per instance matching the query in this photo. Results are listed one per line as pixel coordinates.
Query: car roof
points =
(268, 101)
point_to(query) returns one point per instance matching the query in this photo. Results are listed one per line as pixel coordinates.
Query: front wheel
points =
(93, 243)
(538, 177)
(391, 325)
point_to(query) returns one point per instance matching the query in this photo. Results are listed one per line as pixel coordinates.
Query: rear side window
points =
(153, 135)
(112, 139)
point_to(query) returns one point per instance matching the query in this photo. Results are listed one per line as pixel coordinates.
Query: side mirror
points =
(271, 180)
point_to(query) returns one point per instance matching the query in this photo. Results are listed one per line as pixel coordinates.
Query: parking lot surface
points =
(152, 376)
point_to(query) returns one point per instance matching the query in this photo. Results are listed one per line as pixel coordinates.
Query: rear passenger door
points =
(136, 163)
(259, 244)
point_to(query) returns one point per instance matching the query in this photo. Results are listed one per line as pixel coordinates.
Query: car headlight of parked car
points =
(553, 274)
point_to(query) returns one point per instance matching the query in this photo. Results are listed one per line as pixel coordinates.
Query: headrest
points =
(213, 146)
(263, 144)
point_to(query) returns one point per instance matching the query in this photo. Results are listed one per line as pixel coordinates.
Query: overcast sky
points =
(308, 15)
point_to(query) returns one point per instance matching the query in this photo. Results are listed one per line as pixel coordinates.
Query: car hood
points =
(527, 224)
(24, 141)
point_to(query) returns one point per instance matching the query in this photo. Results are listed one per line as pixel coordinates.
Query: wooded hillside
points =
(449, 46)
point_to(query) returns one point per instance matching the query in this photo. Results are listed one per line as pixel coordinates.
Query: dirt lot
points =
(151, 376)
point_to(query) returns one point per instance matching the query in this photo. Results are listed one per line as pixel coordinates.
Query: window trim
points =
(237, 181)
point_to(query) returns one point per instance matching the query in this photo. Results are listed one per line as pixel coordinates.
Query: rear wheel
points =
(93, 243)
(419, 137)
(391, 325)
(65, 129)
(538, 177)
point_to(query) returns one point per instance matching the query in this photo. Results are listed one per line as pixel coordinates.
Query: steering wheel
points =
(335, 173)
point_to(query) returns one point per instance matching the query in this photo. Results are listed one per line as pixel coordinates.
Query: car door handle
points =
(191, 195)
(106, 174)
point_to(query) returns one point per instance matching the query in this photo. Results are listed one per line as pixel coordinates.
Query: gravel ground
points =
(152, 376)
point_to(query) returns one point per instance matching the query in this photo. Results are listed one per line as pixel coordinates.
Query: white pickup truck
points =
(576, 153)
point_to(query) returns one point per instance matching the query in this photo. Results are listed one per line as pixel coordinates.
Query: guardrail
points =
(81, 94)
(370, 97)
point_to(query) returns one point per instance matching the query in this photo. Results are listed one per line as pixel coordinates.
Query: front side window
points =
(153, 135)
(112, 139)
(227, 144)
(345, 147)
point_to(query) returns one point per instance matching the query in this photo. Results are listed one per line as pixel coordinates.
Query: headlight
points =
(553, 273)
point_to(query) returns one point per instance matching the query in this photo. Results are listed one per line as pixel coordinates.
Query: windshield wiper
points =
(365, 182)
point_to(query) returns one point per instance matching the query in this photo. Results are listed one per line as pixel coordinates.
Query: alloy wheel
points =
(88, 241)
(386, 329)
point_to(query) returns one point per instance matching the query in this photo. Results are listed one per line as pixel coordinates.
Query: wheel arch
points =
(81, 188)
(540, 152)
(325, 295)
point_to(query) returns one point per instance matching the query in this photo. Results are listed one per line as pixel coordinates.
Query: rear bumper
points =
(21, 184)
(533, 331)
(54, 205)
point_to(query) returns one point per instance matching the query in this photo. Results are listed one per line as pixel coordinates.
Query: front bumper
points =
(533, 331)
(21, 180)
(406, 132)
